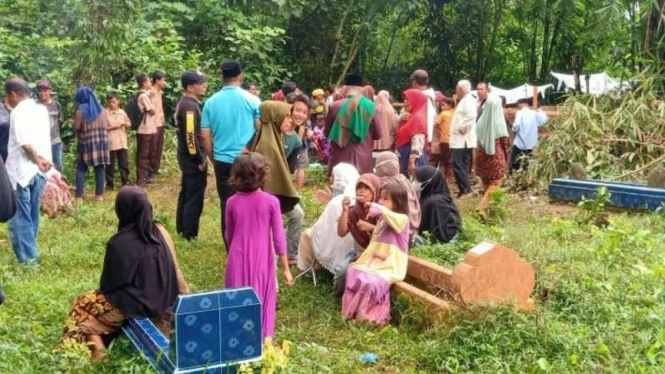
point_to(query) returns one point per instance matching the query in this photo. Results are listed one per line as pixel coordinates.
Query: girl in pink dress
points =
(253, 228)
(384, 262)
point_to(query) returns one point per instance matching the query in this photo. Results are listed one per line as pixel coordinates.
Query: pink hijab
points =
(388, 120)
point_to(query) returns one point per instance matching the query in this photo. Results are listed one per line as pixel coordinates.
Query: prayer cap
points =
(231, 69)
(353, 80)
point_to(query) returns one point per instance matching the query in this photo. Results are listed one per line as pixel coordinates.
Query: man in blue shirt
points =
(230, 118)
(527, 123)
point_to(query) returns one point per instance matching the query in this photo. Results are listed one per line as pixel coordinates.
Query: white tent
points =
(513, 95)
(599, 83)
(524, 91)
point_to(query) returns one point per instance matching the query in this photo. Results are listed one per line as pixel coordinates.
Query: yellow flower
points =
(245, 369)
(286, 347)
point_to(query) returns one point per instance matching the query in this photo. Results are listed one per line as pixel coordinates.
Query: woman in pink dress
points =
(253, 228)
(384, 262)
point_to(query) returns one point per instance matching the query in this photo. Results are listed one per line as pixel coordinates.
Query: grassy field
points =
(600, 297)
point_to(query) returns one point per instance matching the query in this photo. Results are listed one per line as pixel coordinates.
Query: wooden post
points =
(534, 102)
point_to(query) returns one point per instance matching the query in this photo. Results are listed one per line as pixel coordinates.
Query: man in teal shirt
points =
(230, 118)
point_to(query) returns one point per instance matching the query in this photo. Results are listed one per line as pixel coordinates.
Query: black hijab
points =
(139, 275)
(440, 217)
(7, 196)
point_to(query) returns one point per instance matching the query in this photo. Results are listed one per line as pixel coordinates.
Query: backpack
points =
(134, 112)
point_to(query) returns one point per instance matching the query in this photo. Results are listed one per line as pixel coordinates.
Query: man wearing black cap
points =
(352, 126)
(230, 118)
(191, 154)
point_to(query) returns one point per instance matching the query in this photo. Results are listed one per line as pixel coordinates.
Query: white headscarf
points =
(344, 180)
(330, 249)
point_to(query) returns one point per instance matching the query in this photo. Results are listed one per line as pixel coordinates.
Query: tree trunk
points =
(499, 6)
(532, 60)
(480, 47)
(392, 41)
(355, 45)
(546, 38)
(338, 40)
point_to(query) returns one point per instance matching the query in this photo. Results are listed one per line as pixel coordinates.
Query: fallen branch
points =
(659, 159)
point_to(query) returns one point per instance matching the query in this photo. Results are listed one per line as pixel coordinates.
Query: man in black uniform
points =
(191, 154)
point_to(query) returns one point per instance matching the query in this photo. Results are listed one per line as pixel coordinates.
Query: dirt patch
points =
(562, 209)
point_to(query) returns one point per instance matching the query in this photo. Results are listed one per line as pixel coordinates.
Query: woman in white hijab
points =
(321, 244)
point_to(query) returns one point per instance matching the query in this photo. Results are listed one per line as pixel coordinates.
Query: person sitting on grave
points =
(387, 168)
(441, 220)
(384, 262)
(320, 245)
(140, 279)
(355, 221)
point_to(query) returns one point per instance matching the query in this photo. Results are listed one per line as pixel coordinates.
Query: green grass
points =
(600, 297)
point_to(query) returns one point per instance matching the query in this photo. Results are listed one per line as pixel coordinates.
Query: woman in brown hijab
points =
(355, 220)
(388, 119)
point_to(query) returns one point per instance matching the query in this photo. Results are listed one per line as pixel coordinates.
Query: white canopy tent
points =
(524, 91)
(513, 95)
(599, 83)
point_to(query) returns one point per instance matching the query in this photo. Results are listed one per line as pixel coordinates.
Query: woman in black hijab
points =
(439, 215)
(140, 277)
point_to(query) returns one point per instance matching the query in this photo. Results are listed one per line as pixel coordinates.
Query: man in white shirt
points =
(527, 123)
(28, 157)
(463, 139)
(420, 81)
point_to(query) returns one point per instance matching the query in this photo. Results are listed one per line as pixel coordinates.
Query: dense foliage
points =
(106, 42)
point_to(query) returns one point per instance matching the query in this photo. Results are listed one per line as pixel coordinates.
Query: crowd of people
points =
(392, 167)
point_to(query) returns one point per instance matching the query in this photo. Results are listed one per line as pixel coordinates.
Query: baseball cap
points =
(44, 85)
(192, 76)
(318, 92)
(231, 69)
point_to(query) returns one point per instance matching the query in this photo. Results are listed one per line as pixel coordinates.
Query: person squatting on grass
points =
(140, 279)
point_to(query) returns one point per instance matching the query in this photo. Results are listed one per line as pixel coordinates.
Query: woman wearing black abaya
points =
(140, 278)
(439, 215)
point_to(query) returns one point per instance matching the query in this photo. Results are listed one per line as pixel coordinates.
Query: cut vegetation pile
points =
(617, 139)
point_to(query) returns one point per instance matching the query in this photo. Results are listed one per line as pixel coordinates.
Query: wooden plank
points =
(433, 303)
(433, 275)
